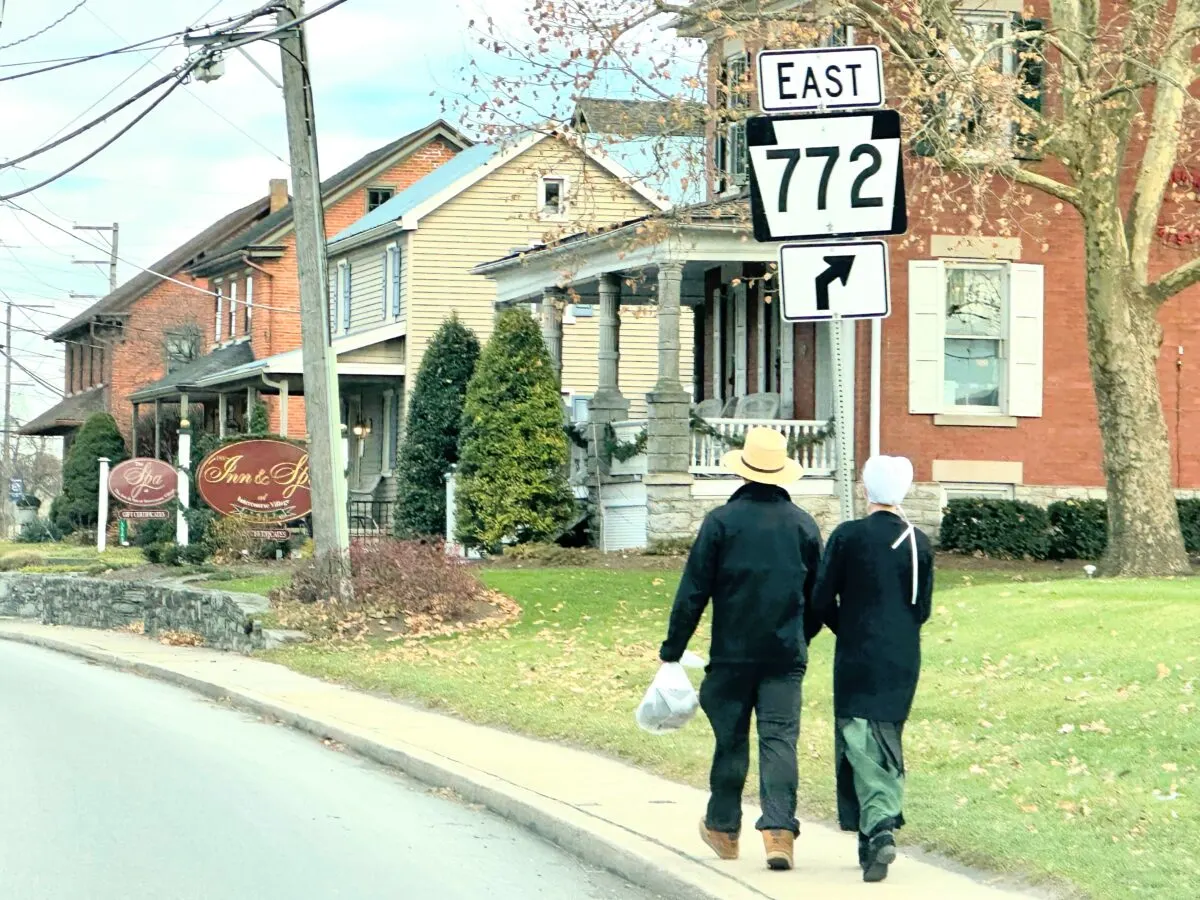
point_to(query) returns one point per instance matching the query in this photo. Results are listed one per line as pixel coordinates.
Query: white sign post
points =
(102, 511)
(182, 537)
(824, 175)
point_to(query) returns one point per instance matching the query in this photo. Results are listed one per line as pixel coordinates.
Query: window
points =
(579, 408)
(220, 304)
(233, 303)
(376, 197)
(248, 305)
(978, 492)
(732, 154)
(181, 348)
(552, 197)
(975, 338)
(975, 300)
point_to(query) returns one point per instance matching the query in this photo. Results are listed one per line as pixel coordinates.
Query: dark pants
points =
(728, 696)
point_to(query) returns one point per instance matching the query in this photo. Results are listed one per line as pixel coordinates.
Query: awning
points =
(289, 367)
(186, 379)
(68, 413)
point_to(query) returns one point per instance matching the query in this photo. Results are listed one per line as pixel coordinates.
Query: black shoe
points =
(863, 842)
(880, 853)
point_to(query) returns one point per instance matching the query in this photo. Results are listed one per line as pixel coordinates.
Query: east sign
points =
(260, 480)
(143, 483)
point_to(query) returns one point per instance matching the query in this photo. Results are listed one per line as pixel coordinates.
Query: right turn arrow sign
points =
(839, 270)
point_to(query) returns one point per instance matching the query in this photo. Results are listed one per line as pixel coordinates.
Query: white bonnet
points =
(887, 479)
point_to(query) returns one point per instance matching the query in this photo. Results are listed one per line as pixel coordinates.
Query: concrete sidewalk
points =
(609, 814)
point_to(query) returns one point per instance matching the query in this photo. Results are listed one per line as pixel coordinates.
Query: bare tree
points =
(1091, 105)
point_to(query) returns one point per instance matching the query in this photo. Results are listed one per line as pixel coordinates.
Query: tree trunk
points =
(1124, 340)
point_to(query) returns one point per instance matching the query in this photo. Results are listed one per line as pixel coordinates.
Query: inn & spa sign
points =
(260, 480)
(144, 485)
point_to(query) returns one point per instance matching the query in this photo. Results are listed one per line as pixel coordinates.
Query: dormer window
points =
(376, 197)
(552, 197)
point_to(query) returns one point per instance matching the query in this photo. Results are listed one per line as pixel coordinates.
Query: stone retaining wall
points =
(225, 621)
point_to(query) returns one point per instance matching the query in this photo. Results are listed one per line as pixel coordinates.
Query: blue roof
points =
(459, 166)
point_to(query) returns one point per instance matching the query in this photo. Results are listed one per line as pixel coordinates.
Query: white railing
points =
(819, 458)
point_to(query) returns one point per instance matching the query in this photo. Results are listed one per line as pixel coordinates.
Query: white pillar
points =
(184, 486)
(610, 336)
(787, 365)
(452, 546)
(283, 408)
(102, 517)
(670, 286)
(552, 328)
(222, 414)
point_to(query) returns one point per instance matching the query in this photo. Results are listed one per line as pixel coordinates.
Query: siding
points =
(639, 354)
(366, 288)
(386, 352)
(499, 213)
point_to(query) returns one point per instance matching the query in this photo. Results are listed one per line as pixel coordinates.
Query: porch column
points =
(608, 405)
(157, 429)
(133, 431)
(610, 336)
(669, 442)
(552, 333)
(283, 407)
(222, 414)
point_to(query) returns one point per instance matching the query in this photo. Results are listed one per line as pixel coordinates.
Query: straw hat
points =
(763, 458)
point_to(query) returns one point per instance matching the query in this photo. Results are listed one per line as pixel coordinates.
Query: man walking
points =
(756, 558)
(874, 591)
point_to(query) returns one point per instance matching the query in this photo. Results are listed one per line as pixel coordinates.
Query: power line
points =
(70, 12)
(34, 375)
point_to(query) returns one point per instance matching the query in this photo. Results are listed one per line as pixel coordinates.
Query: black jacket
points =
(756, 557)
(864, 595)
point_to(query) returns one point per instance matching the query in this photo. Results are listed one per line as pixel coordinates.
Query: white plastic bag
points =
(670, 701)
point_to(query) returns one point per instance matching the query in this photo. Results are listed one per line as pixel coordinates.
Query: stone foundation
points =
(225, 621)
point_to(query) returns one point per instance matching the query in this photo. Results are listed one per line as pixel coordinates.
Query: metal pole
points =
(331, 530)
(112, 264)
(8, 364)
(843, 413)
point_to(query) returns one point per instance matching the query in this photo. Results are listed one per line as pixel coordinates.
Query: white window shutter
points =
(1025, 335)
(926, 336)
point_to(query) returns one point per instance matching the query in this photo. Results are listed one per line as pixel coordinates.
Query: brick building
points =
(981, 374)
(252, 306)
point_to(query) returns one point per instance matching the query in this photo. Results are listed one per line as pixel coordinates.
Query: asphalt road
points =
(114, 787)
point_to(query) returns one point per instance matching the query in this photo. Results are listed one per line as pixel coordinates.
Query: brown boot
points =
(779, 846)
(722, 844)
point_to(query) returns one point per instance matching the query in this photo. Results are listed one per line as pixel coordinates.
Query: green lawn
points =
(68, 557)
(1054, 735)
(251, 584)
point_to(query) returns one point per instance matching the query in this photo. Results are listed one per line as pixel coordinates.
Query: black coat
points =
(864, 595)
(756, 557)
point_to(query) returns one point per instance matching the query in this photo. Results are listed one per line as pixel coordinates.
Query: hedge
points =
(1067, 529)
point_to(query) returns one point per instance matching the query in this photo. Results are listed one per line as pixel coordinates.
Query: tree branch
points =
(1175, 281)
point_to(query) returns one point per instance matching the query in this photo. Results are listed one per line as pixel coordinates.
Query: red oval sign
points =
(262, 480)
(143, 482)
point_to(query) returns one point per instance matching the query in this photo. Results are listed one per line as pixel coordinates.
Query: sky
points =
(380, 68)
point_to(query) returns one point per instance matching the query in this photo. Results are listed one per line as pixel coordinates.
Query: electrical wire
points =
(108, 143)
(70, 12)
(34, 375)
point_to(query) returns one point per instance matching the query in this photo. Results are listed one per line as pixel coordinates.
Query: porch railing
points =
(817, 456)
(370, 518)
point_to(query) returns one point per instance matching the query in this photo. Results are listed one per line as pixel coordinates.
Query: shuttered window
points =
(346, 293)
(220, 304)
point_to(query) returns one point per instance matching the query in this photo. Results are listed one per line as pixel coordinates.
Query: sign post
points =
(182, 536)
(102, 513)
(819, 180)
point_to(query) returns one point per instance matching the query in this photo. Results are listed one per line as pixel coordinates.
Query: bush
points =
(1078, 529)
(670, 547)
(39, 531)
(431, 435)
(1001, 529)
(78, 506)
(550, 555)
(512, 447)
(399, 587)
(11, 562)
(1189, 522)
(260, 421)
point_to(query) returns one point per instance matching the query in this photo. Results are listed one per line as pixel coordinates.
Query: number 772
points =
(831, 156)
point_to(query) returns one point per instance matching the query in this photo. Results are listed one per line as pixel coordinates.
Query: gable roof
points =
(468, 168)
(639, 118)
(187, 254)
(330, 187)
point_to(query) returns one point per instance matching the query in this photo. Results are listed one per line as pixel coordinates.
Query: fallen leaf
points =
(1066, 729)
(1170, 767)
(978, 770)
(1163, 671)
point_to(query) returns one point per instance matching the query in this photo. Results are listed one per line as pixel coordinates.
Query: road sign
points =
(847, 280)
(820, 79)
(826, 175)
(16, 488)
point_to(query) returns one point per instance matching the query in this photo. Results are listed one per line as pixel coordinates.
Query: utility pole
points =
(112, 260)
(331, 529)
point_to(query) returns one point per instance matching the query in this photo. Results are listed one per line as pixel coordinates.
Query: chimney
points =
(279, 194)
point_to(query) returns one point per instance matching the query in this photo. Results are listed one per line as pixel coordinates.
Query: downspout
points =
(876, 383)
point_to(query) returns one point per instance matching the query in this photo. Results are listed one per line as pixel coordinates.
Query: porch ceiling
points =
(579, 265)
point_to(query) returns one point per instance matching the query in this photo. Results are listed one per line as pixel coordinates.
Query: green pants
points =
(870, 775)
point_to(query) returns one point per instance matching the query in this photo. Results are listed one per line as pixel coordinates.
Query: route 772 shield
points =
(826, 175)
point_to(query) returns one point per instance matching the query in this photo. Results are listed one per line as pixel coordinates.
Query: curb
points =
(639, 860)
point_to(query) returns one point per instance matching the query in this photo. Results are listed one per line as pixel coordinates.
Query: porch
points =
(748, 367)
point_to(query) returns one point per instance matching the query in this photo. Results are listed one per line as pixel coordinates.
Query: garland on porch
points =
(622, 451)
(796, 442)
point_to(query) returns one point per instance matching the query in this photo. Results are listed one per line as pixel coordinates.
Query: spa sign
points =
(262, 480)
(143, 483)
